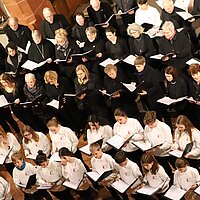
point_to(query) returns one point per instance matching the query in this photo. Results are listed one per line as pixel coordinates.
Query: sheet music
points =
(45, 186)
(3, 101)
(158, 56)
(21, 185)
(109, 61)
(130, 59)
(95, 175)
(2, 159)
(116, 141)
(58, 60)
(55, 157)
(193, 61)
(175, 193)
(177, 153)
(30, 65)
(71, 184)
(185, 15)
(31, 156)
(54, 103)
(142, 145)
(27, 48)
(130, 86)
(106, 22)
(52, 41)
(197, 190)
(81, 54)
(149, 190)
(86, 149)
(168, 100)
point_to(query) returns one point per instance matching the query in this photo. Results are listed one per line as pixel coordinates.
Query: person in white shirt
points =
(21, 174)
(33, 142)
(49, 173)
(73, 170)
(5, 189)
(8, 145)
(126, 126)
(147, 14)
(97, 129)
(185, 177)
(158, 135)
(184, 134)
(154, 174)
(128, 171)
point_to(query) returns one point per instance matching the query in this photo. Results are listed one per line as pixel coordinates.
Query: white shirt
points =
(129, 172)
(22, 176)
(159, 134)
(182, 139)
(131, 126)
(106, 162)
(186, 179)
(150, 16)
(49, 174)
(74, 171)
(4, 189)
(154, 180)
(13, 143)
(33, 147)
(65, 137)
(103, 132)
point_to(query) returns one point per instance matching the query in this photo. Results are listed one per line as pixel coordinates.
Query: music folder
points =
(31, 181)
(95, 176)
(175, 193)
(72, 185)
(147, 26)
(79, 93)
(113, 93)
(3, 156)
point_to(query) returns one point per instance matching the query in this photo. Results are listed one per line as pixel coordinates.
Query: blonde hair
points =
(140, 60)
(150, 117)
(16, 156)
(61, 33)
(35, 136)
(134, 28)
(9, 80)
(109, 68)
(85, 71)
(95, 147)
(168, 26)
(50, 76)
(91, 29)
(53, 122)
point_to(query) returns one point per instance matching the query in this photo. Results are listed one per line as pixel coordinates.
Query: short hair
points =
(110, 29)
(194, 69)
(168, 26)
(110, 67)
(141, 1)
(120, 112)
(140, 60)
(29, 76)
(149, 117)
(61, 33)
(16, 156)
(95, 147)
(91, 29)
(134, 28)
(12, 19)
(120, 157)
(181, 162)
(50, 75)
(46, 9)
(53, 122)
(167, 2)
(41, 157)
(65, 152)
(36, 33)
(11, 45)
(173, 71)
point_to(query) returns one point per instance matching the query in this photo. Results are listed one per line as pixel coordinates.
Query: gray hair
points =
(134, 28)
(29, 76)
(168, 26)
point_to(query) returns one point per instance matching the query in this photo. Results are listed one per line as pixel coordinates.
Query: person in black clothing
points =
(3, 55)
(14, 61)
(52, 22)
(35, 92)
(139, 43)
(18, 33)
(175, 46)
(116, 47)
(194, 93)
(196, 7)
(100, 12)
(56, 87)
(124, 6)
(169, 13)
(13, 92)
(41, 50)
(63, 49)
(121, 97)
(90, 101)
(78, 30)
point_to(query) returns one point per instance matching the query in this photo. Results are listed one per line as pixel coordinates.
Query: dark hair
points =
(140, 60)
(149, 117)
(120, 157)
(110, 29)
(120, 112)
(41, 157)
(194, 69)
(172, 71)
(148, 158)
(11, 45)
(65, 152)
(80, 14)
(141, 1)
(181, 162)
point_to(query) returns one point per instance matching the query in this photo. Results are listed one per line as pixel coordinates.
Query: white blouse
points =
(33, 147)
(65, 137)
(182, 139)
(131, 126)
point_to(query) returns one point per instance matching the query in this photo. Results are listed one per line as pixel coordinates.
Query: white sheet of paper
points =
(58, 60)
(45, 186)
(130, 59)
(93, 175)
(142, 145)
(32, 65)
(158, 56)
(184, 15)
(116, 141)
(197, 190)
(175, 193)
(3, 101)
(130, 86)
(149, 190)
(31, 156)
(71, 184)
(55, 157)
(86, 149)
(54, 103)
(168, 100)
(27, 48)
(109, 61)
(192, 61)
(52, 40)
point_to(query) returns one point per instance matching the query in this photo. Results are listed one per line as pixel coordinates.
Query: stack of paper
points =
(175, 193)
(109, 61)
